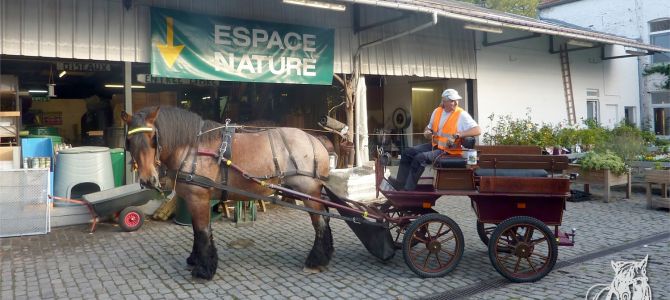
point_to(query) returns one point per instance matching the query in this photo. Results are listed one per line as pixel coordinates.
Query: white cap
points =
(451, 94)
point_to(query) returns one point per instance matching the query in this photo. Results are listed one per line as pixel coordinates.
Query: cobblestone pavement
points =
(69, 263)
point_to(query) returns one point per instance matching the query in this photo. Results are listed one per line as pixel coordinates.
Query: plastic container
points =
(183, 217)
(118, 159)
(55, 139)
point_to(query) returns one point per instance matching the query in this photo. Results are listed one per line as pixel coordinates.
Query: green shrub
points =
(603, 161)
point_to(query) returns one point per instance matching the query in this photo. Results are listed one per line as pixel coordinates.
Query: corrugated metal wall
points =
(105, 30)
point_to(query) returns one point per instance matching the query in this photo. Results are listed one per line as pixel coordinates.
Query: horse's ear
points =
(151, 118)
(126, 117)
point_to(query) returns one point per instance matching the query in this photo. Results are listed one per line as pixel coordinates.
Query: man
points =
(447, 124)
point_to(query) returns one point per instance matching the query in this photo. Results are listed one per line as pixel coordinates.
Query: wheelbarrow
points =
(123, 201)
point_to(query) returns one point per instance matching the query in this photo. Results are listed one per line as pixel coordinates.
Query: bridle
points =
(142, 129)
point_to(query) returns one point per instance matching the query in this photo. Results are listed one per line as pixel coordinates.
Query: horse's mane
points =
(178, 127)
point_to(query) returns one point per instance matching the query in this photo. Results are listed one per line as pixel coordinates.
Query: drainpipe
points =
(361, 115)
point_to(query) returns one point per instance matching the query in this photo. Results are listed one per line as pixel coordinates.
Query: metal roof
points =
(476, 14)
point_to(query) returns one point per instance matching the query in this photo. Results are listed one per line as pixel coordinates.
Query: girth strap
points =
(205, 182)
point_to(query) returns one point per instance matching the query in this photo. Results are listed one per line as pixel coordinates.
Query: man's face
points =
(449, 105)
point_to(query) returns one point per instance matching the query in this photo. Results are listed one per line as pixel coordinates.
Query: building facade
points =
(647, 21)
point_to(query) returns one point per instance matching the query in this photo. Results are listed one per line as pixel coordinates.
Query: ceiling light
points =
(483, 28)
(580, 43)
(120, 86)
(317, 4)
(637, 52)
(37, 91)
(418, 89)
(62, 73)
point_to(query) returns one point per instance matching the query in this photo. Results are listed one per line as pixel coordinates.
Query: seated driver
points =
(447, 124)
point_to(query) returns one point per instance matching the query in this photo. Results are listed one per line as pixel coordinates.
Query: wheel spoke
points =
(417, 253)
(427, 230)
(448, 252)
(545, 258)
(529, 234)
(448, 239)
(513, 235)
(439, 235)
(439, 230)
(501, 259)
(530, 264)
(540, 240)
(516, 267)
(425, 262)
(437, 258)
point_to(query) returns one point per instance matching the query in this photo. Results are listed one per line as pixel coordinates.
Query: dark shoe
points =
(395, 184)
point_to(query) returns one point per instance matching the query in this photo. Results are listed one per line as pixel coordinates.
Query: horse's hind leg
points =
(322, 250)
(203, 257)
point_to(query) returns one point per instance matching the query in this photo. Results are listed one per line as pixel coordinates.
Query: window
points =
(629, 115)
(592, 110)
(660, 103)
(659, 35)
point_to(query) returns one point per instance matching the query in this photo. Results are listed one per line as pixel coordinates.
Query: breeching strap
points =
(208, 183)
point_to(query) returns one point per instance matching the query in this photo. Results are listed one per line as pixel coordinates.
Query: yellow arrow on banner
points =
(169, 51)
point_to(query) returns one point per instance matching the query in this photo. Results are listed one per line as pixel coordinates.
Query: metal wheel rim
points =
(132, 219)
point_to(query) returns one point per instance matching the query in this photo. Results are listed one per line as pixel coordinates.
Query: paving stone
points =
(151, 262)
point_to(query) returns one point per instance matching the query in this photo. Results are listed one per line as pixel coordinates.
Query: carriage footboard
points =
(376, 239)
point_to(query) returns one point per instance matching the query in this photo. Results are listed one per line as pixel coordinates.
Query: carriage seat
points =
(512, 172)
(520, 165)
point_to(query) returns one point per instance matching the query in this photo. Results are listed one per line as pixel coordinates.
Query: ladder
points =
(567, 85)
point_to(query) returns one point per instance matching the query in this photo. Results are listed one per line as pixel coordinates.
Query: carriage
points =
(516, 197)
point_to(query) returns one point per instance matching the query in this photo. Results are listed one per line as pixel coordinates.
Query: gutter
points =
(501, 20)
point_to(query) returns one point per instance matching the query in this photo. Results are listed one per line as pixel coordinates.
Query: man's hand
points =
(428, 134)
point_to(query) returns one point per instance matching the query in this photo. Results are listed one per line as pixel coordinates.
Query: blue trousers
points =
(413, 163)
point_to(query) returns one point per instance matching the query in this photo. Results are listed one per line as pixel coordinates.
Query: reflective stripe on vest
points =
(450, 127)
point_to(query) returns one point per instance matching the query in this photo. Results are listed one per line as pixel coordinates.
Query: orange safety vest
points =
(450, 127)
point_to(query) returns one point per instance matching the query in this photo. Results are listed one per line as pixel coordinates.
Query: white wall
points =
(518, 76)
(625, 18)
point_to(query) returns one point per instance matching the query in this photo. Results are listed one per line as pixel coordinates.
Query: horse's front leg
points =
(203, 257)
(322, 250)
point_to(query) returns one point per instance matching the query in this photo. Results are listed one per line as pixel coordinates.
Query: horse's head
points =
(143, 144)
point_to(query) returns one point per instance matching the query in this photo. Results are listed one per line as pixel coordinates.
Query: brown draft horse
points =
(169, 136)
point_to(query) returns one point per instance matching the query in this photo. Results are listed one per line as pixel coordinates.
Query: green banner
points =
(195, 46)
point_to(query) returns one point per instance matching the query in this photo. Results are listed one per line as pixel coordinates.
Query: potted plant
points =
(601, 168)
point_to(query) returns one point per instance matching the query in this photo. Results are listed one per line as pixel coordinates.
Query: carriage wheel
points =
(484, 231)
(432, 245)
(523, 249)
(131, 219)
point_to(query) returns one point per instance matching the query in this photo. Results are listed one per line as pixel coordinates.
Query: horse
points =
(181, 141)
(630, 282)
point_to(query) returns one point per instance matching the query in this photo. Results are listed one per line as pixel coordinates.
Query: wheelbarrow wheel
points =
(484, 231)
(432, 245)
(131, 219)
(523, 249)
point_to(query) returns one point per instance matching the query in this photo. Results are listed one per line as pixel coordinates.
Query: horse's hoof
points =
(314, 270)
(202, 273)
